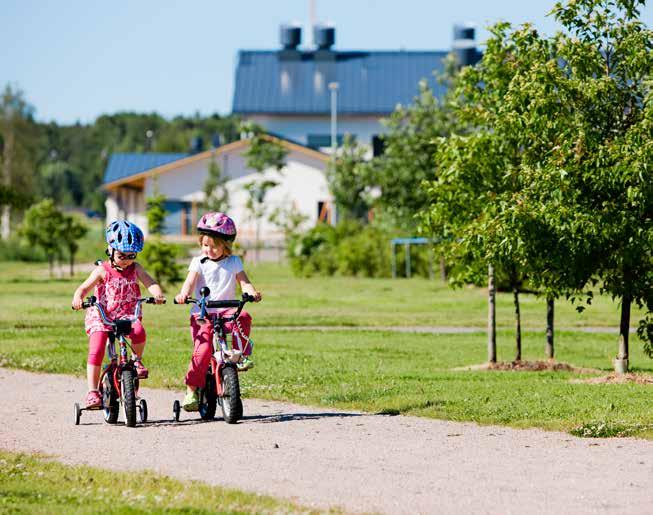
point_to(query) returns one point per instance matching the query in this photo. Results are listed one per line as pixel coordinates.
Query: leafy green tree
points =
(264, 150)
(42, 227)
(158, 256)
(156, 213)
(410, 146)
(18, 137)
(216, 194)
(588, 186)
(257, 190)
(349, 181)
(71, 231)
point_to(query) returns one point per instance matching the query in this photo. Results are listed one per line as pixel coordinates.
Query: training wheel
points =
(78, 413)
(142, 405)
(176, 409)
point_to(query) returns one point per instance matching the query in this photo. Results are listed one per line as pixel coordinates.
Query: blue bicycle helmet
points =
(124, 236)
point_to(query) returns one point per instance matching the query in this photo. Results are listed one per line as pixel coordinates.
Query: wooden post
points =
(394, 259)
(549, 327)
(491, 317)
(407, 260)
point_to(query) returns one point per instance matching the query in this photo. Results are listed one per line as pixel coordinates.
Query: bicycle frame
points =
(119, 329)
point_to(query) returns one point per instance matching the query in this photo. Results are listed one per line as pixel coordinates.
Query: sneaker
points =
(246, 363)
(191, 402)
(141, 371)
(93, 400)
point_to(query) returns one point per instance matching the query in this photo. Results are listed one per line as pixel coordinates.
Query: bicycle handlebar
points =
(92, 301)
(204, 303)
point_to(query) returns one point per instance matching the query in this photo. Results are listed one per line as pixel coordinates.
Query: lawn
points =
(36, 484)
(376, 371)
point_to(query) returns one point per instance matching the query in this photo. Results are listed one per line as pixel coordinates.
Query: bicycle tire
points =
(208, 399)
(129, 397)
(110, 403)
(231, 403)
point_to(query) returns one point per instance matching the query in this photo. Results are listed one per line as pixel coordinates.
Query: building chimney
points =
(290, 37)
(324, 37)
(464, 45)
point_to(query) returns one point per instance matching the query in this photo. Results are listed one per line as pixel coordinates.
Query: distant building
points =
(131, 178)
(286, 91)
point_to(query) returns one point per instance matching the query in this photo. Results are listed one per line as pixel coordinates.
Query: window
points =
(316, 141)
(378, 145)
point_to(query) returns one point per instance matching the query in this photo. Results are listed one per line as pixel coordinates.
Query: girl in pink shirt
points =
(116, 288)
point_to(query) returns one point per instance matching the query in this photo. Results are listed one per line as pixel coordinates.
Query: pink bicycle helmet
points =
(217, 224)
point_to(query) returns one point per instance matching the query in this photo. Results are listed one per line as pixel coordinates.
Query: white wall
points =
(302, 184)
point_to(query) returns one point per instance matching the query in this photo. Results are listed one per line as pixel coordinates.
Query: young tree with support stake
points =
(588, 183)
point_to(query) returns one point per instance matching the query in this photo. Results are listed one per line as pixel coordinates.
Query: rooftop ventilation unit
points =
(464, 45)
(290, 37)
(324, 36)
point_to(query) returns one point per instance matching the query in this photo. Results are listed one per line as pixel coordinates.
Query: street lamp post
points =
(333, 87)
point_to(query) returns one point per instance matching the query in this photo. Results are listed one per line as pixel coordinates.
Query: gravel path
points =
(321, 457)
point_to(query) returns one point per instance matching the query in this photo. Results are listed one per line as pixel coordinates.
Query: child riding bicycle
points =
(116, 288)
(218, 269)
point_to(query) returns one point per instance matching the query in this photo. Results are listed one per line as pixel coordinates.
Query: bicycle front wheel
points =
(232, 406)
(129, 396)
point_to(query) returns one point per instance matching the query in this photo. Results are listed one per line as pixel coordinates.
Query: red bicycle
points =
(222, 384)
(118, 382)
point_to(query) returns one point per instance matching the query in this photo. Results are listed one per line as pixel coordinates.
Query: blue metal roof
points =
(371, 82)
(124, 165)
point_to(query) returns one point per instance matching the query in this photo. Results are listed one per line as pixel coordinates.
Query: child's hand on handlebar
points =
(159, 299)
(181, 298)
(77, 302)
(256, 294)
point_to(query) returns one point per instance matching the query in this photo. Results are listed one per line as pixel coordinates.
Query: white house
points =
(301, 186)
(287, 92)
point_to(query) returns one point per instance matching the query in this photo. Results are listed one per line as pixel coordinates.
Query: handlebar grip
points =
(248, 298)
(150, 300)
(90, 301)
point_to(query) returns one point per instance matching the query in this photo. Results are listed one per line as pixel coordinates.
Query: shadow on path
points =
(291, 417)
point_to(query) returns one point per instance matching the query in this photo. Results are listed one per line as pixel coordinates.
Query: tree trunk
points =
(549, 327)
(515, 292)
(624, 327)
(491, 317)
(5, 219)
(51, 263)
(443, 269)
(72, 264)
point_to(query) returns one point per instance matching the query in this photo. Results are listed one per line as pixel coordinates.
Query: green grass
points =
(36, 484)
(376, 371)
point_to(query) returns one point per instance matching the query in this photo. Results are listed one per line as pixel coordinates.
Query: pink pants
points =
(97, 342)
(202, 335)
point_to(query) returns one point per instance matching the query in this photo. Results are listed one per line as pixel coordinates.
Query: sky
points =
(77, 59)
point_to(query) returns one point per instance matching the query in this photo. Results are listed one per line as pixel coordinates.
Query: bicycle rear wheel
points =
(109, 399)
(208, 399)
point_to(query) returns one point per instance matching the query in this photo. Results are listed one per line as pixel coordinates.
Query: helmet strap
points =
(113, 263)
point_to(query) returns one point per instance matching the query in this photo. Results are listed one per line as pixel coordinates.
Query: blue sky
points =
(76, 59)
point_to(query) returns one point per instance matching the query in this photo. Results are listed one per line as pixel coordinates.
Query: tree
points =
(257, 190)
(264, 152)
(72, 230)
(155, 213)
(588, 183)
(17, 139)
(216, 194)
(42, 227)
(350, 180)
(409, 151)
